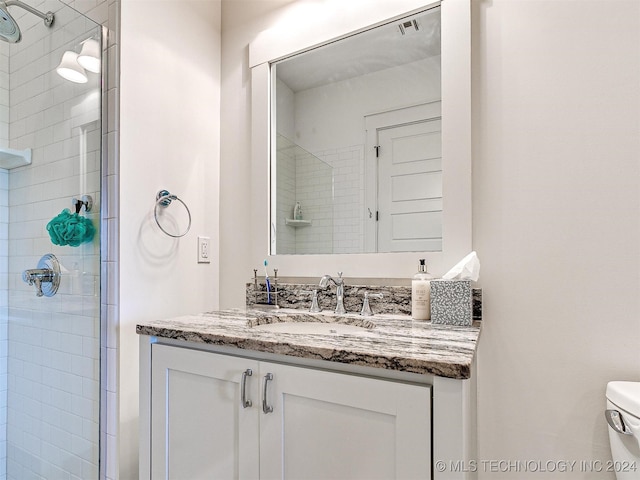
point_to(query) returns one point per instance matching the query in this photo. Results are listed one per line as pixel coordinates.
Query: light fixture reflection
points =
(89, 56)
(69, 68)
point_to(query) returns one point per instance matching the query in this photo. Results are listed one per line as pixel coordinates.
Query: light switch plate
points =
(204, 253)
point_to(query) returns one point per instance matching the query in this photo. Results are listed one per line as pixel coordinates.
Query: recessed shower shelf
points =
(297, 223)
(10, 158)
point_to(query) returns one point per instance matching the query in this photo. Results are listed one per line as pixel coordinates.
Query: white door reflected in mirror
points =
(410, 188)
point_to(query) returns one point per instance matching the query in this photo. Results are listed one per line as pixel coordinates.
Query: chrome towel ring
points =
(163, 200)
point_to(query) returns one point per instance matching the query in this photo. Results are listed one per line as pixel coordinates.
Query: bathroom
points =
(553, 91)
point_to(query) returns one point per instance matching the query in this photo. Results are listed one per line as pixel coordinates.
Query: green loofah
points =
(70, 229)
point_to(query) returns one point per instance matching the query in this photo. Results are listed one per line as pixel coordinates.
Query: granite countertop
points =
(395, 342)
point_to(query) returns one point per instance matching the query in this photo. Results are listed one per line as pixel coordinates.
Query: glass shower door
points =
(50, 196)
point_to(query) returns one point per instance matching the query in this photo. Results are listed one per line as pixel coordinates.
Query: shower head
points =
(9, 29)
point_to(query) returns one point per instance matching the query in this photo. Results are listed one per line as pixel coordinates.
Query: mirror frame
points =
(306, 25)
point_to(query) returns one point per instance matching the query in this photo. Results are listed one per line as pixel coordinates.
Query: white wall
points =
(556, 221)
(332, 115)
(556, 224)
(170, 131)
(242, 21)
(285, 110)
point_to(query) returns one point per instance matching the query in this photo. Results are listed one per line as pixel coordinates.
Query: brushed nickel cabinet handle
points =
(243, 388)
(266, 408)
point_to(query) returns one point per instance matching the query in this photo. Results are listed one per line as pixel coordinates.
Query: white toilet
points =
(623, 417)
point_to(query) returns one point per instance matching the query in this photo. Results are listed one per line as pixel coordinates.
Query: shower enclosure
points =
(306, 180)
(50, 154)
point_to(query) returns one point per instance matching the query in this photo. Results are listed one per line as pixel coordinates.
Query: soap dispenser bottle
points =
(297, 211)
(421, 293)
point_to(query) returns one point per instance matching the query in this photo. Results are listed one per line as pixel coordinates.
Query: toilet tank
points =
(624, 397)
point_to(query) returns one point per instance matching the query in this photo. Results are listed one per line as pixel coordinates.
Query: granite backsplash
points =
(395, 300)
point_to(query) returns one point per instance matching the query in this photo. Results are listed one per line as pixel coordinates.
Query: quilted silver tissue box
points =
(451, 302)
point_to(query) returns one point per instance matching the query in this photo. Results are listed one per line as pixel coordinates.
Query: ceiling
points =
(366, 52)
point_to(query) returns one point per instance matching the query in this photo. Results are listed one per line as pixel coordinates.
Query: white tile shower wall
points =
(4, 253)
(4, 95)
(302, 177)
(286, 181)
(53, 364)
(107, 14)
(348, 197)
(4, 256)
(314, 191)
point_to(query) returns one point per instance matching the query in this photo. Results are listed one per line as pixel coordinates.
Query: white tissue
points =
(466, 269)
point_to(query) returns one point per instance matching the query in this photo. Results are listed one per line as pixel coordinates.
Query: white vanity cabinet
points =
(301, 422)
(198, 427)
(329, 425)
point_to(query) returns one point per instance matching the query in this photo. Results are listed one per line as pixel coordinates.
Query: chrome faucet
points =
(339, 283)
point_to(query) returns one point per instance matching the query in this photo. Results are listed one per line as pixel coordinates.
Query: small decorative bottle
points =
(421, 293)
(297, 211)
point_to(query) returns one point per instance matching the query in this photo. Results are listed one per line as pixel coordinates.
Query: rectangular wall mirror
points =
(361, 137)
(357, 135)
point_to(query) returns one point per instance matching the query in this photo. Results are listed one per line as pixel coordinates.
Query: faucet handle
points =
(366, 309)
(315, 308)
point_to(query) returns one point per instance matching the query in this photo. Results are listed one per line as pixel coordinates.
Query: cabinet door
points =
(338, 426)
(199, 428)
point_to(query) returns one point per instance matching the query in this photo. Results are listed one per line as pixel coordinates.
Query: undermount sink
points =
(312, 324)
(312, 328)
